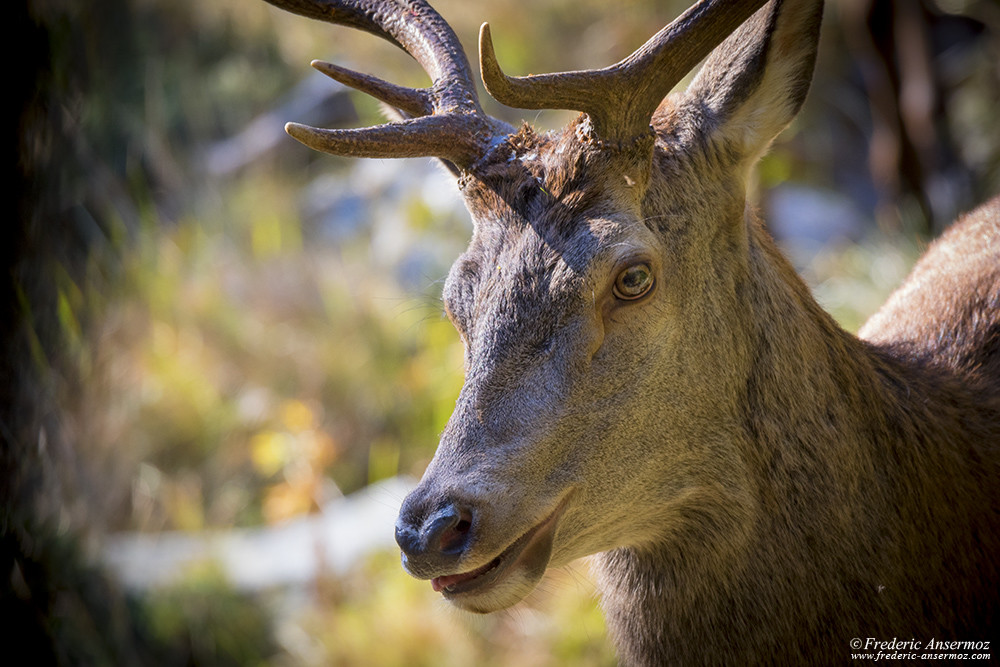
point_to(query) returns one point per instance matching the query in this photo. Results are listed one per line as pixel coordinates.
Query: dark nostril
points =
(448, 529)
(443, 533)
(453, 539)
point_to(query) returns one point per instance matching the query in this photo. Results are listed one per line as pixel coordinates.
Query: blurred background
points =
(224, 356)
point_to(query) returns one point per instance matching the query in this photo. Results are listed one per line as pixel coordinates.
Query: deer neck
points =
(828, 429)
(798, 398)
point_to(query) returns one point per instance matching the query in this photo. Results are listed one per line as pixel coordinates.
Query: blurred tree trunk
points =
(54, 607)
(912, 157)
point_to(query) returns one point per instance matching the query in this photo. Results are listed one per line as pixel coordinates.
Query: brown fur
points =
(875, 505)
(868, 483)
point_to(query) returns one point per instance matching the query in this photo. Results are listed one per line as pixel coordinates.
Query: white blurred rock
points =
(292, 553)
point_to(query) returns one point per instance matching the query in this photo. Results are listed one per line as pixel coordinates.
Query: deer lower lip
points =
(531, 550)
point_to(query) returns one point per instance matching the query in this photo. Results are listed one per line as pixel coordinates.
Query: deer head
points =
(601, 299)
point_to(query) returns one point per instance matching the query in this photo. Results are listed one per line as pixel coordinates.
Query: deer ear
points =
(754, 83)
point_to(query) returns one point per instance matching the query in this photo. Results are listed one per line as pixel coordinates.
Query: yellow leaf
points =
(269, 452)
(297, 416)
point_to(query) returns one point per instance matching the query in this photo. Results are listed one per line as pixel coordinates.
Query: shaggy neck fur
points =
(845, 445)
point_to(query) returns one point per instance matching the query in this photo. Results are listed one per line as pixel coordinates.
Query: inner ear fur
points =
(753, 84)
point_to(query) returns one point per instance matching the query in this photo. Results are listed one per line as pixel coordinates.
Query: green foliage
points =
(259, 365)
(380, 616)
(202, 621)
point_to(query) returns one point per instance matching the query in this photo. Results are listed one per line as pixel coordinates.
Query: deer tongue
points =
(441, 583)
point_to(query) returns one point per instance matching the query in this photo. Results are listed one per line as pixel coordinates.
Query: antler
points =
(445, 120)
(621, 99)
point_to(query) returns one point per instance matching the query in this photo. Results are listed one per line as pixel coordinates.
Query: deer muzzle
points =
(441, 545)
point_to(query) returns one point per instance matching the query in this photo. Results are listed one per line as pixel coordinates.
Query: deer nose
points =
(434, 541)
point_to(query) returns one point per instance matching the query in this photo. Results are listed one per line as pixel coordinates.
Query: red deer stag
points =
(647, 379)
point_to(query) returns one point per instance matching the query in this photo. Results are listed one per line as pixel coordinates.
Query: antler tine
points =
(451, 123)
(409, 100)
(621, 99)
(411, 137)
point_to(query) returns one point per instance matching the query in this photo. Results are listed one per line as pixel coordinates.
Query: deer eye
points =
(634, 282)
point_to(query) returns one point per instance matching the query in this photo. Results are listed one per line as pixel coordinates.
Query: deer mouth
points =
(528, 555)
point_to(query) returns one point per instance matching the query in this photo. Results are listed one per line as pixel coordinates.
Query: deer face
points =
(571, 308)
